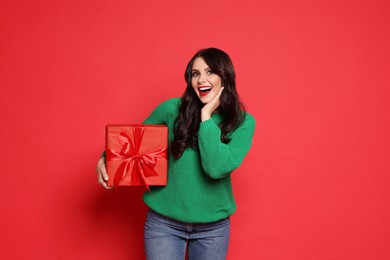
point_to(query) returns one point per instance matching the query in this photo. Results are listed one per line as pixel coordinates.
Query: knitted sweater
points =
(199, 188)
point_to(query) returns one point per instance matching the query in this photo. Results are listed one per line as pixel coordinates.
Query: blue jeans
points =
(169, 239)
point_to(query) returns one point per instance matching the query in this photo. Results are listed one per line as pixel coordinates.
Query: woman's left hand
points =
(211, 106)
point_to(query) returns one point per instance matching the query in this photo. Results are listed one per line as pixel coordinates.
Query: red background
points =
(315, 74)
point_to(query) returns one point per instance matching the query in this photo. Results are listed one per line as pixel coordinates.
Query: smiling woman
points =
(210, 134)
(214, 68)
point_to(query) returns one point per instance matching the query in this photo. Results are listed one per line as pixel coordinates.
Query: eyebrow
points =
(208, 68)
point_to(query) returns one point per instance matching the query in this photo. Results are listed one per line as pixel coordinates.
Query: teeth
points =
(204, 88)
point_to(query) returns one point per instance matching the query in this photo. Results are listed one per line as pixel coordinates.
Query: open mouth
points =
(204, 91)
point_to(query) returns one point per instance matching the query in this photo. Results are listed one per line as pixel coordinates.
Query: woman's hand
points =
(210, 107)
(102, 173)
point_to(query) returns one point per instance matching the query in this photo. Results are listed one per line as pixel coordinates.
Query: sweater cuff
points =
(209, 123)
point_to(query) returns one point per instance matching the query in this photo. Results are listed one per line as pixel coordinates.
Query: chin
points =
(205, 99)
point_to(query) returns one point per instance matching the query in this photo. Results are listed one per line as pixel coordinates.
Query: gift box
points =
(137, 155)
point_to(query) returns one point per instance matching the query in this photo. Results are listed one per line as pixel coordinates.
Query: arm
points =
(219, 159)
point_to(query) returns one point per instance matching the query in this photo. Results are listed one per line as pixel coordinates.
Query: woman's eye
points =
(210, 72)
(194, 74)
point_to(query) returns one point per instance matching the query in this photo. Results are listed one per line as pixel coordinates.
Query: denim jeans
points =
(169, 239)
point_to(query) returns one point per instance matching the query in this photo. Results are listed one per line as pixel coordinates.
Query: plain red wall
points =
(315, 74)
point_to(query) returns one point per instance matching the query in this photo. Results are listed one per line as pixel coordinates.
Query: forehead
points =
(199, 64)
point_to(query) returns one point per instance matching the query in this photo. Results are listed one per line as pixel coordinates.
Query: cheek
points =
(193, 83)
(217, 82)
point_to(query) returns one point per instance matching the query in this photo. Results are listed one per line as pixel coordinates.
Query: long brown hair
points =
(231, 108)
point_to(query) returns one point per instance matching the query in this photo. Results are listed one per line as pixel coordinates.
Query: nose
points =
(202, 78)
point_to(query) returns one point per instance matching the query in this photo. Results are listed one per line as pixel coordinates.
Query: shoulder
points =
(246, 127)
(172, 104)
(169, 107)
(248, 120)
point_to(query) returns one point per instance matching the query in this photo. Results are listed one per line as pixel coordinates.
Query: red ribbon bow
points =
(143, 164)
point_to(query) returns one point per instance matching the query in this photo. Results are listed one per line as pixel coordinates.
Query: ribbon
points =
(143, 164)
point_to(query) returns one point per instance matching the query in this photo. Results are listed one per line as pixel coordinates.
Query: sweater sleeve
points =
(220, 159)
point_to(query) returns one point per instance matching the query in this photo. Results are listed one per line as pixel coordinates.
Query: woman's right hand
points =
(102, 173)
(211, 106)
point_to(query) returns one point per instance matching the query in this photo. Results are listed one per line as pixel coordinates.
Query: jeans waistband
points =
(155, 215)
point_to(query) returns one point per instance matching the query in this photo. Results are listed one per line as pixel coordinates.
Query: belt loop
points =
(189, 227)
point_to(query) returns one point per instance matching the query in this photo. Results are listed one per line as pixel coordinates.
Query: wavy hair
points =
(231, 108)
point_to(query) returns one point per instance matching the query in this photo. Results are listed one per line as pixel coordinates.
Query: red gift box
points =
(137, 155)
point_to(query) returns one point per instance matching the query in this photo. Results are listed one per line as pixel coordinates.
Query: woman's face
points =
(204, 81)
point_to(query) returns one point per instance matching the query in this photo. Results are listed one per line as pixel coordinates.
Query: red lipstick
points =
(204, 90)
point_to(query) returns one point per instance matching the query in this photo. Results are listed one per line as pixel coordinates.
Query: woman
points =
(209, 133)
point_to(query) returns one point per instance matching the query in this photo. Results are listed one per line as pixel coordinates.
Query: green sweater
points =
(199, 188)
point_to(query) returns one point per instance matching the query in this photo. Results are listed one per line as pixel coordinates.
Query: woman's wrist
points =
(205, 116)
